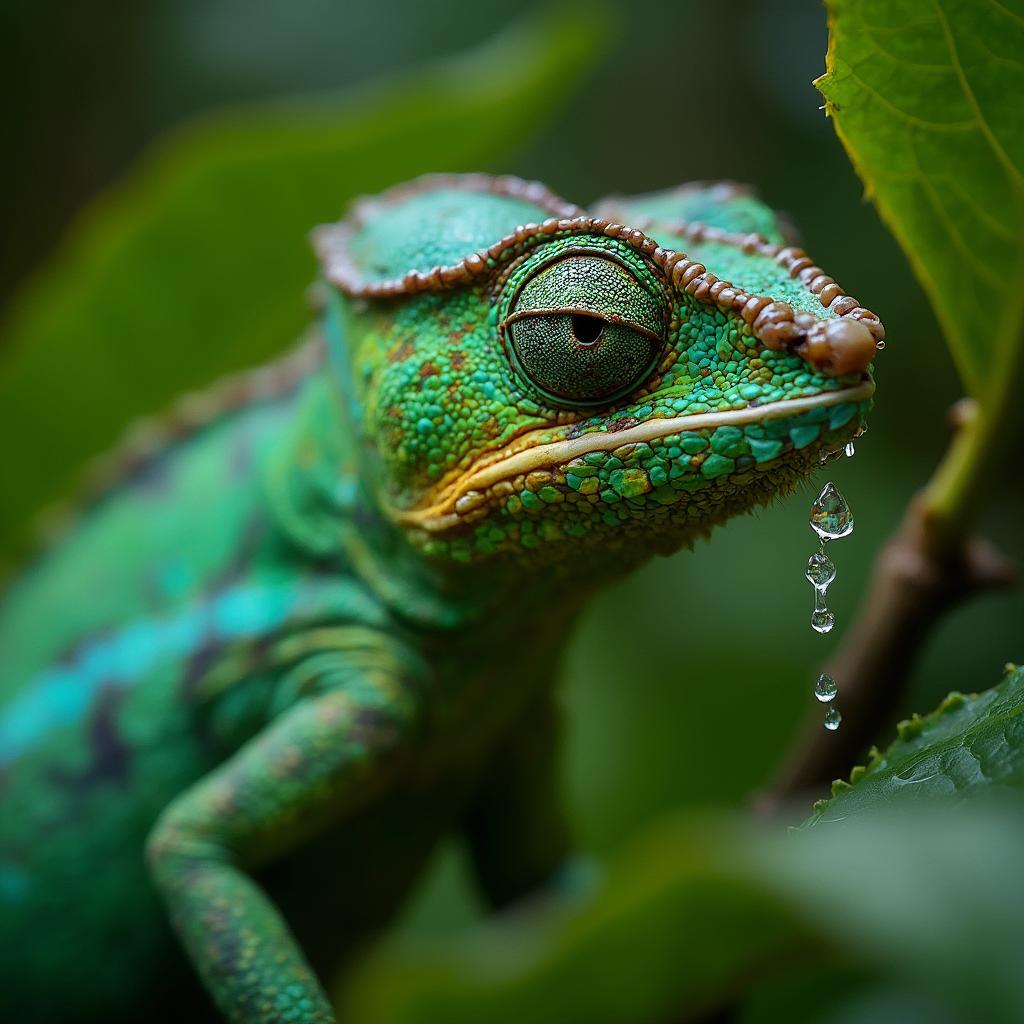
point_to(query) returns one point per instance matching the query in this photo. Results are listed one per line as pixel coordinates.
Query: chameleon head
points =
(532, 381)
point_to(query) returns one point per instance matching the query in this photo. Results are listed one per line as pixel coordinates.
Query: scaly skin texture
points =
(273, 663)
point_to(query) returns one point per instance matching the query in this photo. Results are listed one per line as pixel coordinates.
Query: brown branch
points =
(913, 586)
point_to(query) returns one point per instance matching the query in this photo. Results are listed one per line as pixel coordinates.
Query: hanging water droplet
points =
(833, 719)
(821, 570)
(822, 621)
(831, 517)
(849, 450)
(825, 688)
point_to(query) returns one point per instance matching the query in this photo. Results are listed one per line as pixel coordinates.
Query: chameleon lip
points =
(442, 514)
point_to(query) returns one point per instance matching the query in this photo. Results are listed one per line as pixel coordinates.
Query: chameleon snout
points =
(839, 347)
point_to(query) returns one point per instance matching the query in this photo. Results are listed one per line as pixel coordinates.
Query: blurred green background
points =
(687, 681)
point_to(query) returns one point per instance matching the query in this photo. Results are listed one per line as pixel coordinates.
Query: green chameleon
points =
(312, 624)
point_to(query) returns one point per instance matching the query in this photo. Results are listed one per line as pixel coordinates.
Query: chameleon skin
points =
(268, 668)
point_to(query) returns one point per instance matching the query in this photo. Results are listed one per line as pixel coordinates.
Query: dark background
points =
(687, 680)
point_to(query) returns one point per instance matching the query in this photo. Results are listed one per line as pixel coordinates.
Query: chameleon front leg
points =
(516, 826)
(315, 763)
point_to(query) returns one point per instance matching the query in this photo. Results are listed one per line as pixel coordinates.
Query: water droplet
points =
(821, 570)
(833, 719)
(849, 450)
(825, 688)
(822, 621)
(831, 517)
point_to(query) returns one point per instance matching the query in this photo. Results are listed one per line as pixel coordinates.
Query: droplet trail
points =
(831, 517)
(825, 689)
(822, 621)
(821, 570)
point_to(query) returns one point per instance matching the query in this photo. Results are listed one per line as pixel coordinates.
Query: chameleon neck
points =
(324, 505)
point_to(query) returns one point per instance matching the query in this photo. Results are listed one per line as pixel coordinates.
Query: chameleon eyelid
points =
(611, 318)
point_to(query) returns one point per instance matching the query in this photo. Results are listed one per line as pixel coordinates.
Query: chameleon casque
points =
(314, 628)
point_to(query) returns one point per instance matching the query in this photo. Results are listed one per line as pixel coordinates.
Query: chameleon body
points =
(283, 653)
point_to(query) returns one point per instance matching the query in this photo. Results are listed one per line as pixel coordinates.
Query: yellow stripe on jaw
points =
(441, 515)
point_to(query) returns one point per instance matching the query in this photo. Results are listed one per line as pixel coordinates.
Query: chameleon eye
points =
(584, 331)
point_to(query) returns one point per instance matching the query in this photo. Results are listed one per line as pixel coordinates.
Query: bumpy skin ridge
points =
(774, 323)
(282, 648)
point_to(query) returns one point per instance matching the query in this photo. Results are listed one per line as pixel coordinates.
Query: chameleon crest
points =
(533, 380)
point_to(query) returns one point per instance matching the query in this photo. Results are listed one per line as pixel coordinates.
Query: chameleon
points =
(310, 622)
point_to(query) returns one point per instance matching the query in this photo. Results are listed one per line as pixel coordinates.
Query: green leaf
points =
(923, 893)
(702, 909)
(968, 742)
(673, 926)
(196, 263)
(928, 99)
(927, 894)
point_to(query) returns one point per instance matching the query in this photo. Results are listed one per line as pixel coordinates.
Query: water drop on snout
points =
(825, 689)
(833, 719)
(849, 450)
(830, 516)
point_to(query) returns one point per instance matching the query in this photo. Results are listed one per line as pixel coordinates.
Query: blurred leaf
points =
(673, 926)
(196, 263)
(967, 742)
(927, 99)
(928, 895)
(701, 909)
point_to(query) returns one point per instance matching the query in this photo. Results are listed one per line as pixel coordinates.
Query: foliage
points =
(195, 264)
(196, 261)
(702, 907)
(905, 874)
(968, 742)
(926, 99)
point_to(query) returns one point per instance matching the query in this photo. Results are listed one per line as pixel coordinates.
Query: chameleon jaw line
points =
(444, 513)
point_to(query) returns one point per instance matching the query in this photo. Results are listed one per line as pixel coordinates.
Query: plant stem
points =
(953, 497)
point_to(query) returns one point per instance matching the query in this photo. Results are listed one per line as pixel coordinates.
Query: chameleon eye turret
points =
(585, 329)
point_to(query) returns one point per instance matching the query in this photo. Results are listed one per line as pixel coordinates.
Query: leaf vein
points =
(997, 227)
(965, 85)
(947, 126)
(1006, 12)
(942, 215)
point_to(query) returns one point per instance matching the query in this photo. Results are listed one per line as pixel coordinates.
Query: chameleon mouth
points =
(466, 495)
